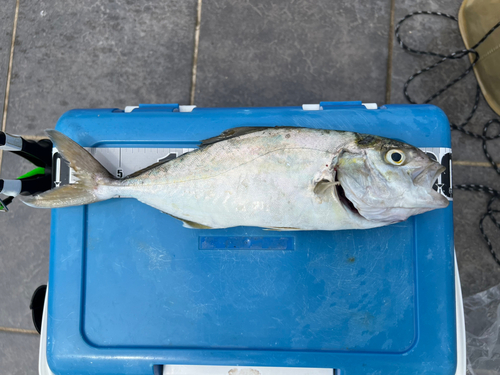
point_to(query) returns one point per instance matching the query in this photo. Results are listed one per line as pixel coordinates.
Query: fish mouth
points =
(343, 198)
(426, 177)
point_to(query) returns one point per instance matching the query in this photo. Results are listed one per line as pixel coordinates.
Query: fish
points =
(277, 178)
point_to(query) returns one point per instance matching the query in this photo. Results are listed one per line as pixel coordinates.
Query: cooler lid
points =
(131, 288)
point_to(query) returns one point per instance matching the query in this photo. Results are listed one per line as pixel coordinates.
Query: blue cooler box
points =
(131, 291)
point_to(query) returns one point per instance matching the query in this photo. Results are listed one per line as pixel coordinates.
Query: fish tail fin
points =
(89, 172)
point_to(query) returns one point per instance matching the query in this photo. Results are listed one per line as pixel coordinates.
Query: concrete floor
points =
(112, 53)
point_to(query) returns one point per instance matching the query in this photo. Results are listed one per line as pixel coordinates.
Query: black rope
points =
(461, 127)
(489, 212)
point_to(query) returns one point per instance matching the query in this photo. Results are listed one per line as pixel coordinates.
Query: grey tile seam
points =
(195, 52)
(388, 82)
(9, 75)
(18, 330)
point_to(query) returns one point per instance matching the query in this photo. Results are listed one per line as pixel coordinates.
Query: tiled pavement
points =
(71, 54)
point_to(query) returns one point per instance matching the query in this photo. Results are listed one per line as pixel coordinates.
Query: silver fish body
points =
(279, 178)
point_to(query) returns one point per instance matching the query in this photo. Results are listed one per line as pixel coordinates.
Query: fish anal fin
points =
(282, 229)
(194, 225)
(188, 223)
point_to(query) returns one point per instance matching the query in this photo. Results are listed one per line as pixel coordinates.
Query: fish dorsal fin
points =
(240, 131)
(233, 133)
(148, 168)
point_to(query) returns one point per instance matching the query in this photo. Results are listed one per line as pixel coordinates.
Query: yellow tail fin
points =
(89, 171)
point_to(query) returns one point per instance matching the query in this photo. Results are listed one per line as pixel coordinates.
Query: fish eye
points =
(395, 157)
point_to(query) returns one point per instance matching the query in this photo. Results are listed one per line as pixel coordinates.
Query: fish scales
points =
(251, 180)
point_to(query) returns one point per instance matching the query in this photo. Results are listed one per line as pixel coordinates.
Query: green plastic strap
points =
(34, 172)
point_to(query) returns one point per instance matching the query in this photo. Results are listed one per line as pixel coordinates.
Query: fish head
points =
(387, 181)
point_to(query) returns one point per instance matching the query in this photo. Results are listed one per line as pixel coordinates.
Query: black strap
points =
(40, 154)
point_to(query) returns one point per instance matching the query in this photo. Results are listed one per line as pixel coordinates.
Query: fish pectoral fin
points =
(323, 186)
(324, 180)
